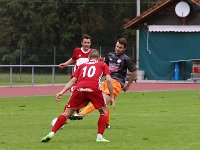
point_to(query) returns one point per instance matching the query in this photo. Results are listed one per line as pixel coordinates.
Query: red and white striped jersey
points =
(90, 73)
(80, 56)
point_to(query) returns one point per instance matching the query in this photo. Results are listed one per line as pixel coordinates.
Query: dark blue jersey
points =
(119, 65)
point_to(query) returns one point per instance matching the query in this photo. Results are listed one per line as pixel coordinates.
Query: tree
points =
(30, 30)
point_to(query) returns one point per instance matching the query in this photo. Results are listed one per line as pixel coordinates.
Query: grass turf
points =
(168, 120)
(26, 79)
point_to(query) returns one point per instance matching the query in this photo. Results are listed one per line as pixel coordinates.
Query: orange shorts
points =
(116, 88)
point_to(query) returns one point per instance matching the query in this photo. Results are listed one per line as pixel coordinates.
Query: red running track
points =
(52, 90)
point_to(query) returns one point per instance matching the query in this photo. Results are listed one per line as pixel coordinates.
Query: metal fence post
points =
(53, 75)
(10, 76)
(32, 75)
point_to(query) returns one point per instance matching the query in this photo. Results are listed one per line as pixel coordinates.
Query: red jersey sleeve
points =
(76, 73)
(74, 56)
(106, 69)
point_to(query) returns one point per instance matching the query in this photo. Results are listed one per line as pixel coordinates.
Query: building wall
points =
(159, 48)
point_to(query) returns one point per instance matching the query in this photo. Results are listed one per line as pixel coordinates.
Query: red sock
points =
(103, 120)
(59, 123)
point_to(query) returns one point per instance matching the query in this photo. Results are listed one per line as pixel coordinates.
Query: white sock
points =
(51, 133)
(99, 136)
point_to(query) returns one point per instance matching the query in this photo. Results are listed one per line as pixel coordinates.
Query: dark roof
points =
(161, 5)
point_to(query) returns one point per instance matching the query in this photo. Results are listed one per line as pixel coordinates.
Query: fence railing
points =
(32, 71)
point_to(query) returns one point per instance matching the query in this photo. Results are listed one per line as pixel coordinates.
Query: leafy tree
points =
(30, 30)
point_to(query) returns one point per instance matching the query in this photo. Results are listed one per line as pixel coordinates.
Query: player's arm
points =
(110, 88)
(69, 62)
(132, 78)
(67, 87)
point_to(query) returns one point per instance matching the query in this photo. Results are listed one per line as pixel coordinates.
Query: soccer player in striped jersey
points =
(80, 55)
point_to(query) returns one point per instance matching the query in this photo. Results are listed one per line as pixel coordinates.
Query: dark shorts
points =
(79, 99)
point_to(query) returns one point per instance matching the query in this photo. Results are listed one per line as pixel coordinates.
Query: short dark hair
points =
(122, 41)
(86, 36)
(94, 54)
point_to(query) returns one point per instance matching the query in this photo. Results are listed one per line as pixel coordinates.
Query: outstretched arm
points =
(69, 62)
(67, 87)
(132, 78)
(110, 88)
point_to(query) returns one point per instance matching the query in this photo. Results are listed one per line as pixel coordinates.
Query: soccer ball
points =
(54, 121)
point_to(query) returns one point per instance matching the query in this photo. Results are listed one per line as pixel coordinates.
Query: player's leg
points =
(77, 101)
(103, 120)
(107, 98)
(116, 90)
(97, 99)
(85, 111)
(108, 115)
(59, 123)
(88, 109)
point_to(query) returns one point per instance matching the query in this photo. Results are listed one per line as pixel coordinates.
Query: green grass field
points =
(168, 120)
(26, 79)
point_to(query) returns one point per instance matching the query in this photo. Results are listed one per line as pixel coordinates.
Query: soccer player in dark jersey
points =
(87, 78)
(118, 63)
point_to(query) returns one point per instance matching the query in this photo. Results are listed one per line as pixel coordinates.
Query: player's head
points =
(94, 54)
(120, 46)
(86, 41)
